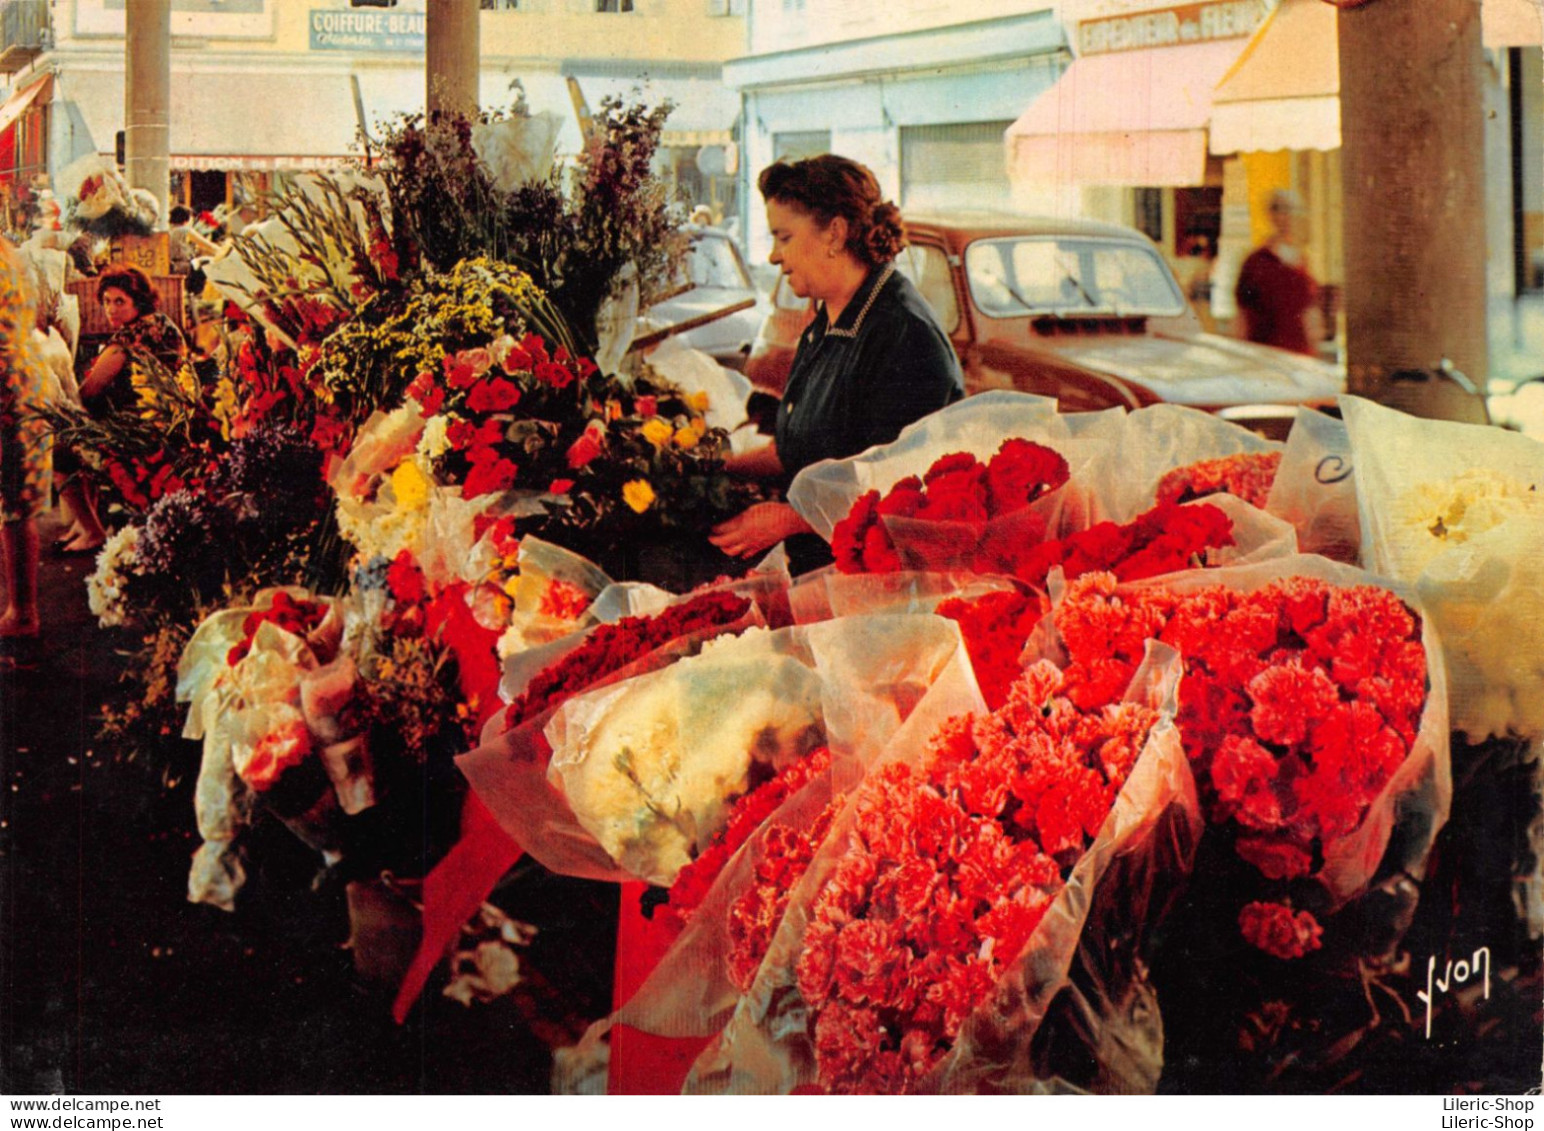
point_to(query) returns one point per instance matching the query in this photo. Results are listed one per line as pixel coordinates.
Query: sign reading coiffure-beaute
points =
(1169, 27)
(336, 29)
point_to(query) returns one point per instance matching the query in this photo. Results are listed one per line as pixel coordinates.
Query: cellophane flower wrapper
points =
(518, 149)
(509, 770)
(544, 572)
(1396, 832)
(693, 371)
(824, 493)
(888, 664)
(1315, 488)
(826, 594)
(1149, 443)
(768, 696)
(234, 707)
(1081, 965)
(1457, 512)
(766, 590)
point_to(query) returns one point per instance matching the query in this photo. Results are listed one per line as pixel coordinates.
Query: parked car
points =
(1087, 313)
(715, 277)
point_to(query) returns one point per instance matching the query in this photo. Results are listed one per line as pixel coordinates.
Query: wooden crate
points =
(93, 322)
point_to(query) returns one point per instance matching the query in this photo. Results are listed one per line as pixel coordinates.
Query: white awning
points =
(1284, 91)
(274, 117)
(1123, 118)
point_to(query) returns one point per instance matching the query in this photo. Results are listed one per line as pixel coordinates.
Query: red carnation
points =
(429, 394)
(405, 579)
(1276, 930)
(1021, 472)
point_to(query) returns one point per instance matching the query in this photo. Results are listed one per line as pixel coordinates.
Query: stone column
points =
(147, 96)
(451, 56)
(1413, 162)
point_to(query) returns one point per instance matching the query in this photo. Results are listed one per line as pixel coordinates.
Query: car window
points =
(928, 269)
(713, 263)
(1069, 275)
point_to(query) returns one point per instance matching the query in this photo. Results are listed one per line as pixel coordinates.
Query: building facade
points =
(266, 86)
(918, 90)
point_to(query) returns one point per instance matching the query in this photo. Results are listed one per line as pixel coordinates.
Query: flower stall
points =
(1112, 746)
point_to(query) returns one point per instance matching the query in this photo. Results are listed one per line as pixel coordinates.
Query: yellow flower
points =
(699, 426)
(410, 486)
(638, 494)
(657, 431)
(685, 437)
(698, 401)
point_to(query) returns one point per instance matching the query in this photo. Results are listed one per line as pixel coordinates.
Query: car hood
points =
(740, 327)
(1205, 369)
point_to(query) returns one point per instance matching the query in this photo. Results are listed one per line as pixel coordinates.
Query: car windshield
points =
(1069, 275)
(713, 263)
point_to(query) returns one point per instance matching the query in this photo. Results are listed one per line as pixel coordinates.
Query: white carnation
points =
(105, 587)
(652, 766)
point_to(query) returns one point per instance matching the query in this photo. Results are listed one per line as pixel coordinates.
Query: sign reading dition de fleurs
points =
(335, 30)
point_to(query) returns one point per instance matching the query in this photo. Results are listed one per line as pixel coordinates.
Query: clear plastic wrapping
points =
(563, 782)
(1457, 512)
(1080, 973)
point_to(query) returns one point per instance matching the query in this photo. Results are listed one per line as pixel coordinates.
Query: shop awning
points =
(16, 105)
(279, 121)
(1284, 90)
(1123, 118)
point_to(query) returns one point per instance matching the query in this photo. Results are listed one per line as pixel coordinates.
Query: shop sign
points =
(1169, 27)
(334, 29)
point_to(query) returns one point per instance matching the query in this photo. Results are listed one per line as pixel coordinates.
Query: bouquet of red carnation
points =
(993, 873)
(1247, 475)
(1172, 453)
(961, 513)
(996, 627)
(1311, 710)
(1166, 539)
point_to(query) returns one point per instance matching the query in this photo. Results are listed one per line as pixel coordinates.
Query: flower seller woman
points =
(873, 360)
(141, 334)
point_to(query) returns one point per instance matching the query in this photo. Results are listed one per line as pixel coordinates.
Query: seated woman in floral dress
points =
(142, 336)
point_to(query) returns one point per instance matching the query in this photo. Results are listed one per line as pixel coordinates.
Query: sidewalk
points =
(112, 982)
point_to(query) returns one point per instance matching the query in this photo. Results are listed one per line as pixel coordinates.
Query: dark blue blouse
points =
(885, 364)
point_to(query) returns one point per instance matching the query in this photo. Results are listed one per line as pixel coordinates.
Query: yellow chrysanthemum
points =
(699, 426)
(410, 486)
(637, 494)
(698, 401)
(657, 431)
(686, 437)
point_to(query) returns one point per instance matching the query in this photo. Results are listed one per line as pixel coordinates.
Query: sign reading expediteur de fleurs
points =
(334, 29)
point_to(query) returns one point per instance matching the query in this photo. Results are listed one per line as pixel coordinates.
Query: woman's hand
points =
(757, 528)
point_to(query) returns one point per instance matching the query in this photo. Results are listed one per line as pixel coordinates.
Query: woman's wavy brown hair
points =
(828, 186)
(132, 282)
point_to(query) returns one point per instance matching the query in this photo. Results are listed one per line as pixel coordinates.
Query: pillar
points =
(147, 96)
(451, 56)
(1413, 161)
